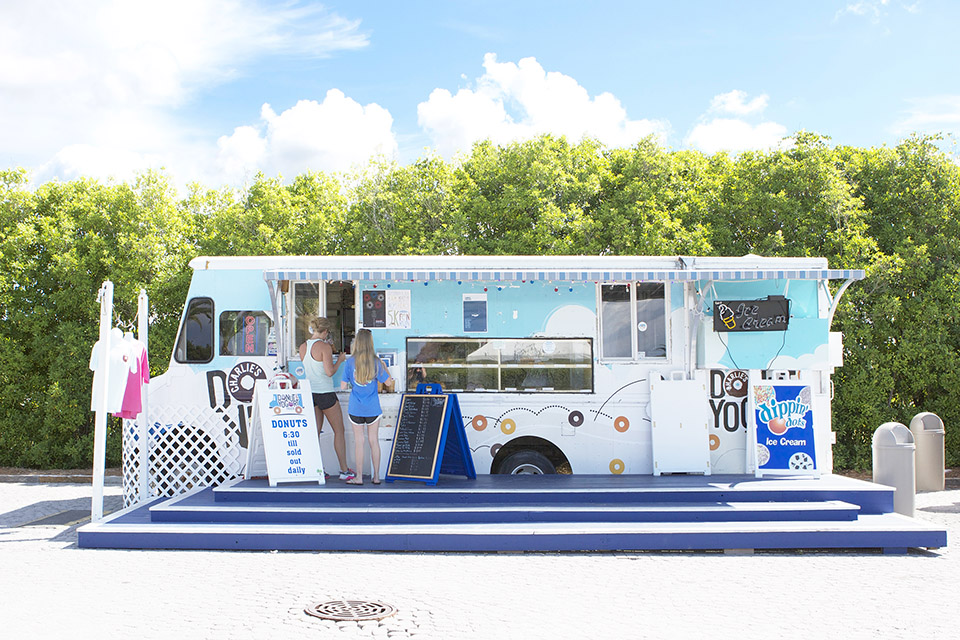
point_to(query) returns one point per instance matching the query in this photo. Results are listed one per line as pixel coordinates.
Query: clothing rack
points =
(105, 298)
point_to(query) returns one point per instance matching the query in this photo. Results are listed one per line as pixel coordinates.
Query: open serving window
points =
(501, 364)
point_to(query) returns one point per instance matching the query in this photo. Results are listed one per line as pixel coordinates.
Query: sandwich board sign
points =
(783, 434)
(283, 436)
(429, 438)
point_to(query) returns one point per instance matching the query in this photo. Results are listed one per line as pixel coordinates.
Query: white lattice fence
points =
(188, 447)
(131, 463)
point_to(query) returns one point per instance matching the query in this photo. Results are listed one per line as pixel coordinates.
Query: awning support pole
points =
(836, 301)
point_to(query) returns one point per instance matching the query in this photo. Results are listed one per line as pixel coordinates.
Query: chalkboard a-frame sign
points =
(429, 438)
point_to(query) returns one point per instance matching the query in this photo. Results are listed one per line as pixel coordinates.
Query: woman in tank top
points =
(319, 366)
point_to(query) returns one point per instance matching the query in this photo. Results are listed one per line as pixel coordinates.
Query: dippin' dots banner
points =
(784, 418)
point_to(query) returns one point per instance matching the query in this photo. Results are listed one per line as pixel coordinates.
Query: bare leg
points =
(373, 431)
(357, 453)
(335, 418)
(319, 415)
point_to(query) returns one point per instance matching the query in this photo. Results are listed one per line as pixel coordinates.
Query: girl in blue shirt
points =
(363, 371)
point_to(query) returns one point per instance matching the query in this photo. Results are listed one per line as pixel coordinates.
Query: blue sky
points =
(216, 90)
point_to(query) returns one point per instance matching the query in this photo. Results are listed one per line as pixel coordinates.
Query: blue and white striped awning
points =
(675, 275)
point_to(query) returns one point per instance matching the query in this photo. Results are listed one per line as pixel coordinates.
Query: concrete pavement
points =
(51, 588)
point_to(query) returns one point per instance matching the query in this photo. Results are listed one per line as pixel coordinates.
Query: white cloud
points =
(514, 101)
(872, 9)
(720, 133)
(936, 113)
(241, 154)
(86, 160)
(735, 102)
(724, 134)
(109, 74)
(332, 135)
(875, 11)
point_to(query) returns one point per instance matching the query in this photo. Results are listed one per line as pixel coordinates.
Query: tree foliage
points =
(892, 211)
(59, 243)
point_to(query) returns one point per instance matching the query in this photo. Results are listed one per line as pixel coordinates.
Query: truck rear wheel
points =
(526, 461)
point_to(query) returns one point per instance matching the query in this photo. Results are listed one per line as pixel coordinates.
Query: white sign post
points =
(283, 441)
(105, 298)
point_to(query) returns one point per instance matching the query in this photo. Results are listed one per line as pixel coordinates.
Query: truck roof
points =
(508, 268)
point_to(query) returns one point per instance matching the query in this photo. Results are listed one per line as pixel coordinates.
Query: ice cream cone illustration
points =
(726, 314)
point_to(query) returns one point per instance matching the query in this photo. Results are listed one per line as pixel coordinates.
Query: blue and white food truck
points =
(567, 364)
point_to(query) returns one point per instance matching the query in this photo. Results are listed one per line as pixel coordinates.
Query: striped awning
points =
(675, 275)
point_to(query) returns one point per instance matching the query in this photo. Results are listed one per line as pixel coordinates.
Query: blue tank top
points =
(320, 382)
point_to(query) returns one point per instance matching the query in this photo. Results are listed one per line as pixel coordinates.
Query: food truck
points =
(561, 364)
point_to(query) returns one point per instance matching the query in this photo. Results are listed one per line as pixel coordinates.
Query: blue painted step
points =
(544, 513)
(890, 532)
(571, 489)
(199, 506)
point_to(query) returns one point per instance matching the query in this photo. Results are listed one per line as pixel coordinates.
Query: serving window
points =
(633, 321)
(333, 300)
(306, 305)
(513, 365)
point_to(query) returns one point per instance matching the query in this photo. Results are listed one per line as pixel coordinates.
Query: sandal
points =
(355, 481)
(376, 482)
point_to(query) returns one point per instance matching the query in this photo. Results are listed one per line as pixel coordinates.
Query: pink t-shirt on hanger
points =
(138, 376)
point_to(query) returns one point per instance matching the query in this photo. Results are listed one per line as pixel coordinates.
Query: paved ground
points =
(49, 588)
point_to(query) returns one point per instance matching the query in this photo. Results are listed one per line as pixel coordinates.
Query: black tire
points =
(526, 461)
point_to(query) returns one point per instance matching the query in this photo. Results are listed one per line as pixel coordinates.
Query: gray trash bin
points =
(928, 436)
(894, 464)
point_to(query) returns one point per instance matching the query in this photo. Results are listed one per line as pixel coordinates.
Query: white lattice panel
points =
(130, 466)
(189, 447)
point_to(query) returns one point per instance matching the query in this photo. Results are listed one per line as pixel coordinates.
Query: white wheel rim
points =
(527, 469)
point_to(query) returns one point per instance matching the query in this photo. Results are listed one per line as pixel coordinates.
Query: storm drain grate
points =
(351, 610)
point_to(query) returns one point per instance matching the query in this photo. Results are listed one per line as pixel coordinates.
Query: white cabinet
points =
(680, 426)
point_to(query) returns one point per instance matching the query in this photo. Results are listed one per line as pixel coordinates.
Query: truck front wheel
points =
(526, 462)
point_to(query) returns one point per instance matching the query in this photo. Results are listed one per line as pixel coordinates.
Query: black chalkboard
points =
(771, 314)
(416, 441)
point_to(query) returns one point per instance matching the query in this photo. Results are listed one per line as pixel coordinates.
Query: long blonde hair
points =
(364, 357)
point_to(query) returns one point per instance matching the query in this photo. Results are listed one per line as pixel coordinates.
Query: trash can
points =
(928, 437)
(894, 464)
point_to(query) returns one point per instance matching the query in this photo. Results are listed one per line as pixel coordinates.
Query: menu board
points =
(416, 442)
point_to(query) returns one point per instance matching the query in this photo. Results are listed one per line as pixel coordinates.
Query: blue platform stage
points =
(525, 513)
